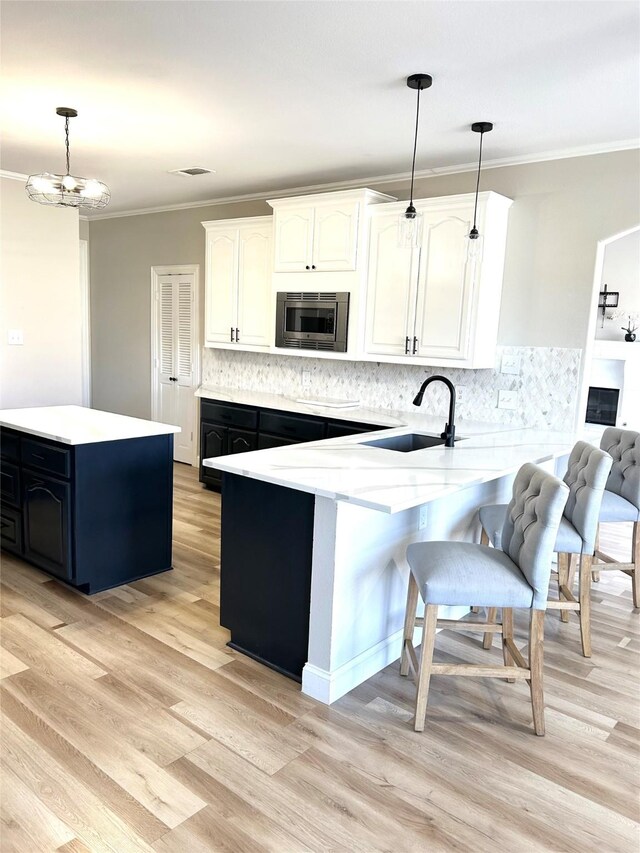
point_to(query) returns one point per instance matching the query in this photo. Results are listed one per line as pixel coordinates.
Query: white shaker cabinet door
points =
(293, 239)
(255, 324)
(335, 237)
(445, 287)
(391, 290)
(221, 286)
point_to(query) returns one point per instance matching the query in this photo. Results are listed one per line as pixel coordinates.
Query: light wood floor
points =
(130, 726)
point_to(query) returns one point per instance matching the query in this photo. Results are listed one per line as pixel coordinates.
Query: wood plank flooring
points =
(128, 725)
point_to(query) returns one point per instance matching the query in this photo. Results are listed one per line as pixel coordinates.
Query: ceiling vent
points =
(192, 172)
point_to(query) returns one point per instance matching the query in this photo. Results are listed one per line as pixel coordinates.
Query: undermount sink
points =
(406, 443)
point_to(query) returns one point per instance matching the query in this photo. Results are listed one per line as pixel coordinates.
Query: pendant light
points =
(409, 225)
(475, 240)
(67, 190)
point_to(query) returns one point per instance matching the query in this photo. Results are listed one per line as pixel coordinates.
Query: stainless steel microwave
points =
(312, 321)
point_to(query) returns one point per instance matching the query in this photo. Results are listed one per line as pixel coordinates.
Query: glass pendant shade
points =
(410, 229)
(67, 190)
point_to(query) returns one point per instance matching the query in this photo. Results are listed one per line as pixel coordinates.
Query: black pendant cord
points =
(475, 207)
(415, 148)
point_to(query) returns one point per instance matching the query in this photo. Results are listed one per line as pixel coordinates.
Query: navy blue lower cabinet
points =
(265, 571)
(94, 515)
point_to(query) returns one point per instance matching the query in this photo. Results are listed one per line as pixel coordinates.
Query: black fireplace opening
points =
(602, 406)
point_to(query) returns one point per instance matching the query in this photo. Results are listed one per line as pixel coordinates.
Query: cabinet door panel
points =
(391, 289)
(10, 529)
(213, 442)
(47, 524)
(293, 239)
(221, 285)
(335, 237)
(255, 323)
(445, 288)
(241, 441)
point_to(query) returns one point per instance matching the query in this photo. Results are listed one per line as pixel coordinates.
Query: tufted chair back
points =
(531, 526)
(623, 445)
(586, 477)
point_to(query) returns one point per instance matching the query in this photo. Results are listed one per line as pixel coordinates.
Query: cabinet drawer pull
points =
(415, 346)
(406, 345)
(237, 335)
(231, 334)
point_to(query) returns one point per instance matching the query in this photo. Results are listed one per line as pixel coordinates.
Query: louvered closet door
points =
(176, 380)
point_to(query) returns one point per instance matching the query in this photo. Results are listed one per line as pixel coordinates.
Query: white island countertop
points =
(345, 469)
(80, 425)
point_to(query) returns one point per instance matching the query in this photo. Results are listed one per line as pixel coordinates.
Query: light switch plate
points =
(510, 364)
(507, 399)
(461, 393)
(15, 337)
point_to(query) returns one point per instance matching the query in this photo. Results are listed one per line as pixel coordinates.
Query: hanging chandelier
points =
(480, 127)
(409, 225)
(67, 190)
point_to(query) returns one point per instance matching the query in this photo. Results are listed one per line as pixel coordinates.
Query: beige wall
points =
(562, 208)
(41, 295)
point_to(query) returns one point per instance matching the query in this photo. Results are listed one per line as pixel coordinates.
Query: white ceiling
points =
(288, 94)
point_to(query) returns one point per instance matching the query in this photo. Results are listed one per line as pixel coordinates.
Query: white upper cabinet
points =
(238, 305)
(439, 304)
(320, 233)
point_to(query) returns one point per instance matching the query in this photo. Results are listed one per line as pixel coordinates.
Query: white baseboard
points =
(327, 686)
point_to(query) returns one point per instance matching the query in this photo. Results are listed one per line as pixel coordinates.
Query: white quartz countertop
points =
(389, 481)
(80, 425)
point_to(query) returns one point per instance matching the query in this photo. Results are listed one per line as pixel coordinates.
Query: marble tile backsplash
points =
(547, 386)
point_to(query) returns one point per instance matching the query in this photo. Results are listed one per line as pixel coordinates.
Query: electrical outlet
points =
(510, 364)
(422, 517)
(16, 337)
(306, 379)
(461, 393)
(507, 399)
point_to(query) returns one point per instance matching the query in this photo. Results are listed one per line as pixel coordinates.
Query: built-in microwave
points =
(312, 321)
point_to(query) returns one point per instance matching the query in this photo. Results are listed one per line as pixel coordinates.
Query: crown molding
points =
(560, 154)
(13, 176)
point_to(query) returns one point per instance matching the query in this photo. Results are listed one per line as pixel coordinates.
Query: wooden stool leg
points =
(536, 658)
(585, 603)
(488, 637)
(507, 634)
(573, 564)
(409, 623)
(635, 556)
(596, 575)
(563, 578)
(426, 660)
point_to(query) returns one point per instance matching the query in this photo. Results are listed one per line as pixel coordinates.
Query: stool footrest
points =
(479, 670)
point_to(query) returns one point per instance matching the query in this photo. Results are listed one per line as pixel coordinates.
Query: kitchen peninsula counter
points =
(313, 570)
(87, 495)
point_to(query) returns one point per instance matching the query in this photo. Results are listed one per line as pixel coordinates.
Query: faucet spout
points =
(449, 433)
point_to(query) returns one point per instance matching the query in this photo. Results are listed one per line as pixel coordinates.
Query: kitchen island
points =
(313, 571)
(87, 495)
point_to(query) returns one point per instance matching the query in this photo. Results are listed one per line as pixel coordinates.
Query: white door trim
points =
(585, 368)
(85, 311)
(177, 269)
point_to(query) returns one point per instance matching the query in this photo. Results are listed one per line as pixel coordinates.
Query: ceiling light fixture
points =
(409, 230)
(67, 190)
(480, 127)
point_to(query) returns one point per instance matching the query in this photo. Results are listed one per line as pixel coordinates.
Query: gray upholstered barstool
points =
(587, 472)
(621, 500)
(454, 573)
